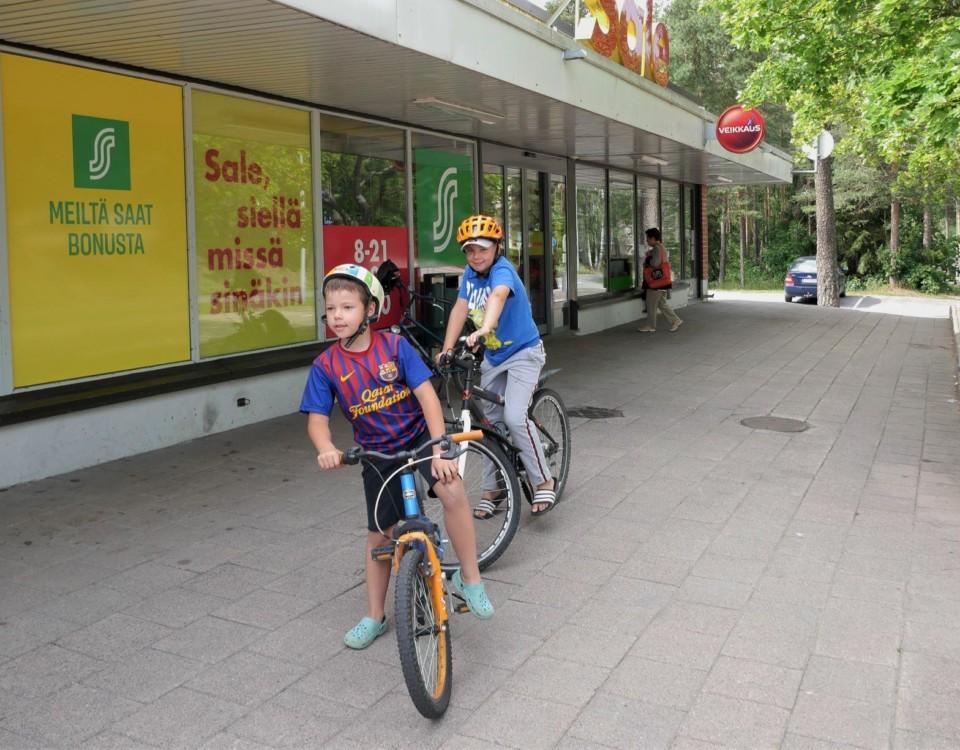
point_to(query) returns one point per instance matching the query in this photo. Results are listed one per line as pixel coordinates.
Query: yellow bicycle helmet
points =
(362, 276)
(479, 227)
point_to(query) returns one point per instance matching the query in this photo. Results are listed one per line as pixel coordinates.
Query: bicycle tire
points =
(424, 645)
(553, 425)
(494, 534)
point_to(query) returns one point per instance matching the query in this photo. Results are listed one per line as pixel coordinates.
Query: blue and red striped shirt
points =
(374, 389)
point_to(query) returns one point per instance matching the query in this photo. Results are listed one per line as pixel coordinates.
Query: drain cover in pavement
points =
(777, 424)
(594, 412)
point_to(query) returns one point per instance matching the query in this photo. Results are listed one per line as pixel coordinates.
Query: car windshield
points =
(805, 266)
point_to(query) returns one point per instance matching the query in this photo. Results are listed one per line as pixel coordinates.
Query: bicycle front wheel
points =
(423, 641)
(550, 416)
(493, 534)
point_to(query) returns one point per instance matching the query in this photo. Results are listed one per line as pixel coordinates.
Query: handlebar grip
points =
(351, 457)
(462, 437)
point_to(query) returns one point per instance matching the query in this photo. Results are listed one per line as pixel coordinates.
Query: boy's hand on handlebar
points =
(443, 358)
(444, 470)
(476, 337)
(330, 458)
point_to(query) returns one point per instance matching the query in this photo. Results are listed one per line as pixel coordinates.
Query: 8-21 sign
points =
(369, 247)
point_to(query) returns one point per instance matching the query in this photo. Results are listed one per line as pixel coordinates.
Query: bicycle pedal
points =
(461, 608)
(382, 553)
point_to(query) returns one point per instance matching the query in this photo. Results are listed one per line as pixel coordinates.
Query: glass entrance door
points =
(531, 205)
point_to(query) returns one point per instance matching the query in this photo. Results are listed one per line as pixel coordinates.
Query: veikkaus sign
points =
(740, 130)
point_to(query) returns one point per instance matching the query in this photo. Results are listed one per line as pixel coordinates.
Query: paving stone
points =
(835, 719)
(853, 680)
(265, 609)
(65, 577)
(46, 670)
(209, 639)
(66, 718)
(25, 632)
(351, 679)
(146, 675)
(175, 607)
(229, 581)
(294, 719)
(754, 681)
(664, 641)
(227, 741)
(614, 721)
(783, 635)
(581, 645)
(181, 718)
(725, 594)
(111, 741)
(300, 642)
(928, 713)
(520, 721)
(245, 678)
(734, 722)
(655, 682)
(114, 637)
(401, 724)
(557, 680)
(148, 578)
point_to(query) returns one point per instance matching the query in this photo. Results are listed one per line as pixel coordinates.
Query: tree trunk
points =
(894, 242)
(927, 228)
(743, 248)
(827, 292)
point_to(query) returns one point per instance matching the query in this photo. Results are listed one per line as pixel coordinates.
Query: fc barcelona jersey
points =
(374, 389)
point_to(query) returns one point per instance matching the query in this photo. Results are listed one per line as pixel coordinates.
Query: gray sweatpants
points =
(516, 379)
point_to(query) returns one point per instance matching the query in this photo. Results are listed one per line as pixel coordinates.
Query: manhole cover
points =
(594, 412)
(777, 424)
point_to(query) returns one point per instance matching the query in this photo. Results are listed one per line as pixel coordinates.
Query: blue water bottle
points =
(411, 508)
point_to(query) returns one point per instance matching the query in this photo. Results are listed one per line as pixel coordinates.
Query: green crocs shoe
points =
(365, 632)
(474, 594)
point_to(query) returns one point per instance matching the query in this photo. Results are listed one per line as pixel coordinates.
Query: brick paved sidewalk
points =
(703, 585)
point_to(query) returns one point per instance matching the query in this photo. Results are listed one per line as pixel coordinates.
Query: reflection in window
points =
(622, 265)
(670, 197)
(493, 191)
(363, 177)
(591, 230)
(648, 207)
(689, 232)
(558, 241)
(514, 226)
(364, 203)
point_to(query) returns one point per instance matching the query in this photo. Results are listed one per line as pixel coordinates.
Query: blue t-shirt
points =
(374, 389)
(516, 329)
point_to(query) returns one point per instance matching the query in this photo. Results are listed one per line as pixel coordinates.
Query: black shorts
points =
(390, 510)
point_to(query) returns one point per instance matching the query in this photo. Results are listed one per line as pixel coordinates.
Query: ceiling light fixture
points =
(452, 108)
(719, 178)
(575, 53)
(647, 159)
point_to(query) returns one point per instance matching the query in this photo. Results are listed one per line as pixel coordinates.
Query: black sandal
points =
(487, 508)
(541, 497)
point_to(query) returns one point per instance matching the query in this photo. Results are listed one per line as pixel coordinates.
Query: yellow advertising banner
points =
(254, 225)
(96, 221)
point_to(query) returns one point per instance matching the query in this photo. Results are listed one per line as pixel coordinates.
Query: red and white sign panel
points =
(369, 247)
(740, 130)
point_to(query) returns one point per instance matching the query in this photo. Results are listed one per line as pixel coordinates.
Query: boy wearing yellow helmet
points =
(492, 295)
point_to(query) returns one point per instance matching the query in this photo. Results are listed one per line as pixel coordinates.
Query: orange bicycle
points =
(420, 610)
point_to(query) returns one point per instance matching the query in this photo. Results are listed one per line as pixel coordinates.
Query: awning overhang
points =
(379, 57)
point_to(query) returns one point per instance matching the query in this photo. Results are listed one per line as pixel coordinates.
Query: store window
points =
(492, 204)
(623, 235)
(254, 224)
(670, 203)
(591, 231)
(364, 198)
(689, 232)
(558, 241)
(514, 224)
(648, 207)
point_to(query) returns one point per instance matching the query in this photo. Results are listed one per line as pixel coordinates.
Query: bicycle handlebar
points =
(355, 454)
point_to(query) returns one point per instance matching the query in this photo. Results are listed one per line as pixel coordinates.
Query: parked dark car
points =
(801, 279)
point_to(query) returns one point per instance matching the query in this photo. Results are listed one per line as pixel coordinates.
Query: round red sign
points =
(740, 130)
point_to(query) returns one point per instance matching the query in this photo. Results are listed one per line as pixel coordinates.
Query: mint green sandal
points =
(365, 632)
(474, 594)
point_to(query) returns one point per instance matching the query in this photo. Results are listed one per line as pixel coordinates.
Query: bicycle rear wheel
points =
(550, 416)
(493, 534)
(424, 643)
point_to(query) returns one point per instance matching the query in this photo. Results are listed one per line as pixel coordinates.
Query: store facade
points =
(176, 182)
